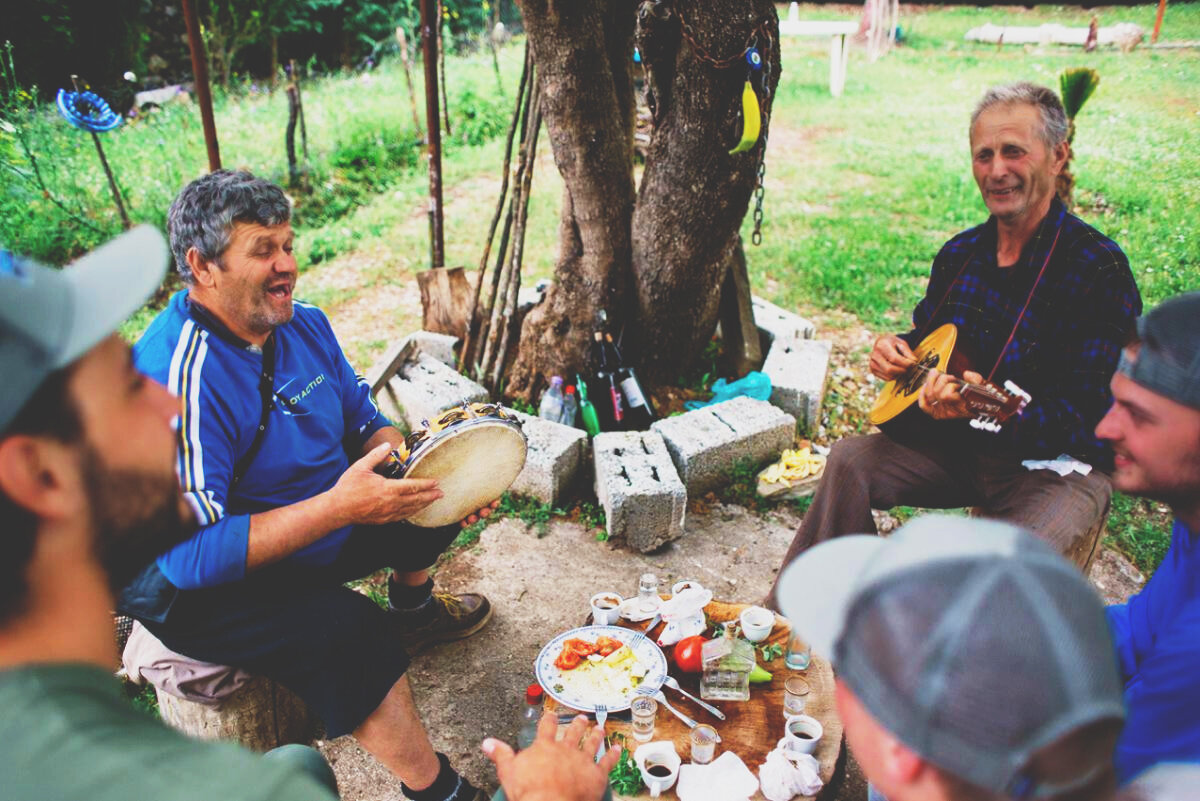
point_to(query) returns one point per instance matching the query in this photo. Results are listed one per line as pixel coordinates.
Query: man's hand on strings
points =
(941, 396)
(891, 357)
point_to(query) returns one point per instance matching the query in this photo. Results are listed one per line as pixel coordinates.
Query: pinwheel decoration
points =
(89, 112)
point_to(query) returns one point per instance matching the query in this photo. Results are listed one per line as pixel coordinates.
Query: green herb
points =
(558, 688)
(625, 778)
(771, 651)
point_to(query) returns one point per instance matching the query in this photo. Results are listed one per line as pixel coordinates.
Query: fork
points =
(671, 682)
(601, 719)
(662, 699)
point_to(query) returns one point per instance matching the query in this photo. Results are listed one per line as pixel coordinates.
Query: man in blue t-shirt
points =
(278, 441)
(1154, 430)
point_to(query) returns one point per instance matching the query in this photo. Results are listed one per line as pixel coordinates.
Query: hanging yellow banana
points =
(751, 120)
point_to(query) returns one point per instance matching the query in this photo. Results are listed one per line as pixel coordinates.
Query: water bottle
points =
(531, 713)
(570, 405)
(551, 407)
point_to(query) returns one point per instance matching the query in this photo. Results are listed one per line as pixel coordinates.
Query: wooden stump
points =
(1085, 548)
(262, 714)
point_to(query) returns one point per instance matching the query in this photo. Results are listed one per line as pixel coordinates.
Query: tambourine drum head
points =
(473, 462)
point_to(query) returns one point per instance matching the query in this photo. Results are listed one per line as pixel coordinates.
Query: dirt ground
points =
(540, 586)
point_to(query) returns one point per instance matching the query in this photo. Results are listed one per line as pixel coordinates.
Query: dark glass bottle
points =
(639, 408)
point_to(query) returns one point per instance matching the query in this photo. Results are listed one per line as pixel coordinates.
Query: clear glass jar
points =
(726, 663)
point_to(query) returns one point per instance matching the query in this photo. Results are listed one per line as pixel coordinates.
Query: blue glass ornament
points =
(753, 58)
(87, 111)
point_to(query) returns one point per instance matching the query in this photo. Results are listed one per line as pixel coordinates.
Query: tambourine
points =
(475, 452)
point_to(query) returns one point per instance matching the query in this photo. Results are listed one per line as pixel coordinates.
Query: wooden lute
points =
(991, 405)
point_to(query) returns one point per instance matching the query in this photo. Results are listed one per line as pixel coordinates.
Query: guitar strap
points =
(1021, 316)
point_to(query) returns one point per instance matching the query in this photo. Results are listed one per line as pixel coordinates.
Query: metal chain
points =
(760, 188)
(702, 53)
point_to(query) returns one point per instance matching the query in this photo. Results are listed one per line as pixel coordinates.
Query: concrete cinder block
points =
(439, 346)
(798, 369)
(424, 387)
(705, 443)
(643, 498)
(556, 454)
(780, 324)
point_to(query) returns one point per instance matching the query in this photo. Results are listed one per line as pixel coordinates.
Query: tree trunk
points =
(655, 266)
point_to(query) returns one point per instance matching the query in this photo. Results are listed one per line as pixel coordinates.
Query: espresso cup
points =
(802, 733)
(757, 623)
(658, 762)
(606, 608)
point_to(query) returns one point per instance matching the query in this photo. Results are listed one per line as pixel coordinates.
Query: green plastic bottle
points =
(587, 412)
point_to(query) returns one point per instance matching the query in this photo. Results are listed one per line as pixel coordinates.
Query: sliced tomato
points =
(581, 647)
(606, 645)
(567, 660)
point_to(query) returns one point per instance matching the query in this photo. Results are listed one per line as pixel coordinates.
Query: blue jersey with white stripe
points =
(321, 409)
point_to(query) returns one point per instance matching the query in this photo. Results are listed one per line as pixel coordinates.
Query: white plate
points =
(647, 653)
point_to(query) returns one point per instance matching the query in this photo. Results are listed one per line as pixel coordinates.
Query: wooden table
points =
(751, 728)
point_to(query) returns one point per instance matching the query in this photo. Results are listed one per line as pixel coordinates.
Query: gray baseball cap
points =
(49, 318)
(1168, 361)
(969, 640)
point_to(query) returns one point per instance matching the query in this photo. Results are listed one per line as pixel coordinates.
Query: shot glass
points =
(795, 696)
(643, 711)
(798, 654)
(704, 744)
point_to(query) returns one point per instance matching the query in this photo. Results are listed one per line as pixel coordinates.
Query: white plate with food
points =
(599, 667)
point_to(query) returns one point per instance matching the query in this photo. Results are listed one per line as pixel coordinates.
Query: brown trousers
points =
(877, 472)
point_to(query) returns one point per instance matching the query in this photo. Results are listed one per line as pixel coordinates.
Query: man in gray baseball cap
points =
(973, 661)
(1153, 428)
(89, 496)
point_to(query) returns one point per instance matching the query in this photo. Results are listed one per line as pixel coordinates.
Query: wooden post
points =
(1162, 7)
(429, 50)
(112, 182)
(203, 95)
(290, 136)
(402, 39)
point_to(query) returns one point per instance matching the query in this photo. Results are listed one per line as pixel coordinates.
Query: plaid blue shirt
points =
(1066, 346)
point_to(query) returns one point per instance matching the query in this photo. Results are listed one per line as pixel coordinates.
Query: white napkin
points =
(787, 774)
(726, 778)
(684, 613)
(1063, 465)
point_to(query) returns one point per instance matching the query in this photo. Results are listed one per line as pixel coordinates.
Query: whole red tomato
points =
(687, 654)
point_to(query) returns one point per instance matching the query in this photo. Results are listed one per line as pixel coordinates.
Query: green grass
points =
(1140, 529)
(862, 190)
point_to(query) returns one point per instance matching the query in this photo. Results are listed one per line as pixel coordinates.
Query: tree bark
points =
(587, 105)
(655, 265)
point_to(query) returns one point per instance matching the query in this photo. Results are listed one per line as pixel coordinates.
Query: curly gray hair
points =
(1049, 107)
(203, 214)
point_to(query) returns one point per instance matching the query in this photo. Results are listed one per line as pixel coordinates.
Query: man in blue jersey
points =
(278, 445)
(1154, 430)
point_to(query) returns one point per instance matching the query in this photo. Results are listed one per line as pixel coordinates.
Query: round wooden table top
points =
(751, 728)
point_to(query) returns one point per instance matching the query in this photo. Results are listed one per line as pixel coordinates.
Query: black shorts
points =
(297, 624)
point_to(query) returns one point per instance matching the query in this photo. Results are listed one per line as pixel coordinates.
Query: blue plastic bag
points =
(753, 385)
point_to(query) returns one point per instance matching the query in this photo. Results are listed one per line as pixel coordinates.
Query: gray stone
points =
(643, 498)
(552, 464)
(439, 346)
(798, 369)
(423, 388)
(706, 443)
(779, 324)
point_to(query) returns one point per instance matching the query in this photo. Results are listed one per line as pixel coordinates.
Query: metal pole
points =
(203, 95)
(433, 129)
